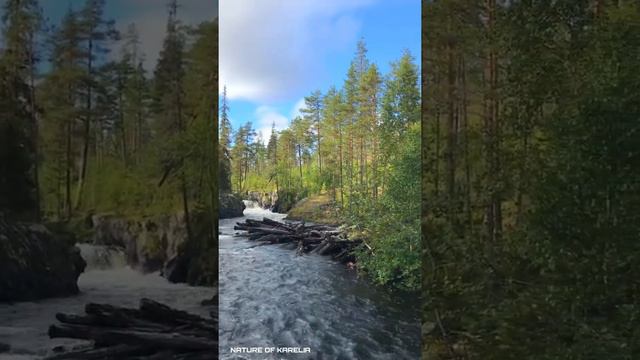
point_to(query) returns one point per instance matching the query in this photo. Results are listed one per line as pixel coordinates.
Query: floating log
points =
(314, 239)
(154, 331)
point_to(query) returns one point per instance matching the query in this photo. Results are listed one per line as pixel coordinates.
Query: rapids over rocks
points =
(269, 297)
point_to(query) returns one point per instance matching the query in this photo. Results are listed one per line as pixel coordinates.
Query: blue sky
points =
(275, 52)
(150, 17)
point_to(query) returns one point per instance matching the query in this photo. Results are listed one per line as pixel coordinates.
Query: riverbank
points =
(390, 242)
(319, 209)
(123, 258)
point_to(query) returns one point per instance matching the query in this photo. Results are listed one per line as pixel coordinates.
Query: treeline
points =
(88, 130)
(531, 179)
(360, 145)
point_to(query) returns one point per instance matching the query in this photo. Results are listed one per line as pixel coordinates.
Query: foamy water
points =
(107, 280)
(270, 297)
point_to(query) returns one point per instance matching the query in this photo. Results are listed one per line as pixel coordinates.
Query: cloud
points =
(299, 105)
(269, 49)
(267, 117)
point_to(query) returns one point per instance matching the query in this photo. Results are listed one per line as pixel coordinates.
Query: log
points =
(111, 352)
(313, 239)
(153, 331)
(107, 336)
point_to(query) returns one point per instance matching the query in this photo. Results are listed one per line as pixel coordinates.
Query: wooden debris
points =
(312, 239)
(154, 331)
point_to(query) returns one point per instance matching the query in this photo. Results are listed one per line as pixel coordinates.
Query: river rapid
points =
(270, 297)
(108, 280)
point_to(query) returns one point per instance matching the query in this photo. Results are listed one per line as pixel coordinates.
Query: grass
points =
(319, 209)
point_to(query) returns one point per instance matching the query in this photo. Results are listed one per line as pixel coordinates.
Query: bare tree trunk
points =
(300, 163)
(122, 121)
(340, 159)
(451, 136)
(69, 165)
(35, 133)
(492, 129)
(87, 128)
(467, 165)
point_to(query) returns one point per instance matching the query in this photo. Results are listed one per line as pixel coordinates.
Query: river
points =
(270, 297)
(106, 280)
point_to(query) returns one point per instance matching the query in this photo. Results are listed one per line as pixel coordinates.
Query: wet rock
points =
(266, 200)
(35, 264)
(231, 206)
(158, 243)
(285, 201)
(148, 243)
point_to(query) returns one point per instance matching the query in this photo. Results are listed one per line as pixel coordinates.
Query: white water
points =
(106, 280)
(270, 297)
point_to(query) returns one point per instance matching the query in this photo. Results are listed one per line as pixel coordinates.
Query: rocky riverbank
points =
(160, 243)
(36, 264)
(231, 206)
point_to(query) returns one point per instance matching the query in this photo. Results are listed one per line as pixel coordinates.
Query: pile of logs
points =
(154, 331)
(312, 239)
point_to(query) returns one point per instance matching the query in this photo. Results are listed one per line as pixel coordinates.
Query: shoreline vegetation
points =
(354, 153)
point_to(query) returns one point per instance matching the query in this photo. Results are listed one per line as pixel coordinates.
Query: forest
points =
(531, 175)
(357, 145)
(86, 129)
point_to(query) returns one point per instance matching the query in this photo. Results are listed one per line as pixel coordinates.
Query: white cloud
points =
(299, 105)
(267, 117)
(270, 48)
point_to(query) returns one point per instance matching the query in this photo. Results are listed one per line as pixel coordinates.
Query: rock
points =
(4, 348)
(265, 200)
(284, 201)
(148, 243)
(35, 264)
(158, 243)
(231, 206)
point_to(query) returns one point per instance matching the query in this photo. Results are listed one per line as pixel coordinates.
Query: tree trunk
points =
(87, 127)
(35, 133)
(451, 136)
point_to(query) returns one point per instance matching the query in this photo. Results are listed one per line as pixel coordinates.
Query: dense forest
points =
(84, 128)
(357, 145)
(531, 174)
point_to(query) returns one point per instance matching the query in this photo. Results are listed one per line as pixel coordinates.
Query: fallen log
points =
(313, 239)
(154, 331)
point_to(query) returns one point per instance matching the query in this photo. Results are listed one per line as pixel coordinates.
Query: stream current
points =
(272, 298)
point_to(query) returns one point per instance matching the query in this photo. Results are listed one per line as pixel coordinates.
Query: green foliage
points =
(355, 149)
(392, 223)
(554, 275)
(21, 21)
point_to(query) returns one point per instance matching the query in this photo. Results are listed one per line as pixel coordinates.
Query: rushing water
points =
(270, 297)
(106, 280)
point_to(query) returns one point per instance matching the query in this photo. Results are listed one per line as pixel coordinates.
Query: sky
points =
(150, 17)
(275, 52)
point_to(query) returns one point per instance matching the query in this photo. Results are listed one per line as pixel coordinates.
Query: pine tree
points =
(22, 22)
(95, 31)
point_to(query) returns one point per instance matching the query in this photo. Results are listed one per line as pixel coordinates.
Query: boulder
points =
(35, 264)
(231, 206)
